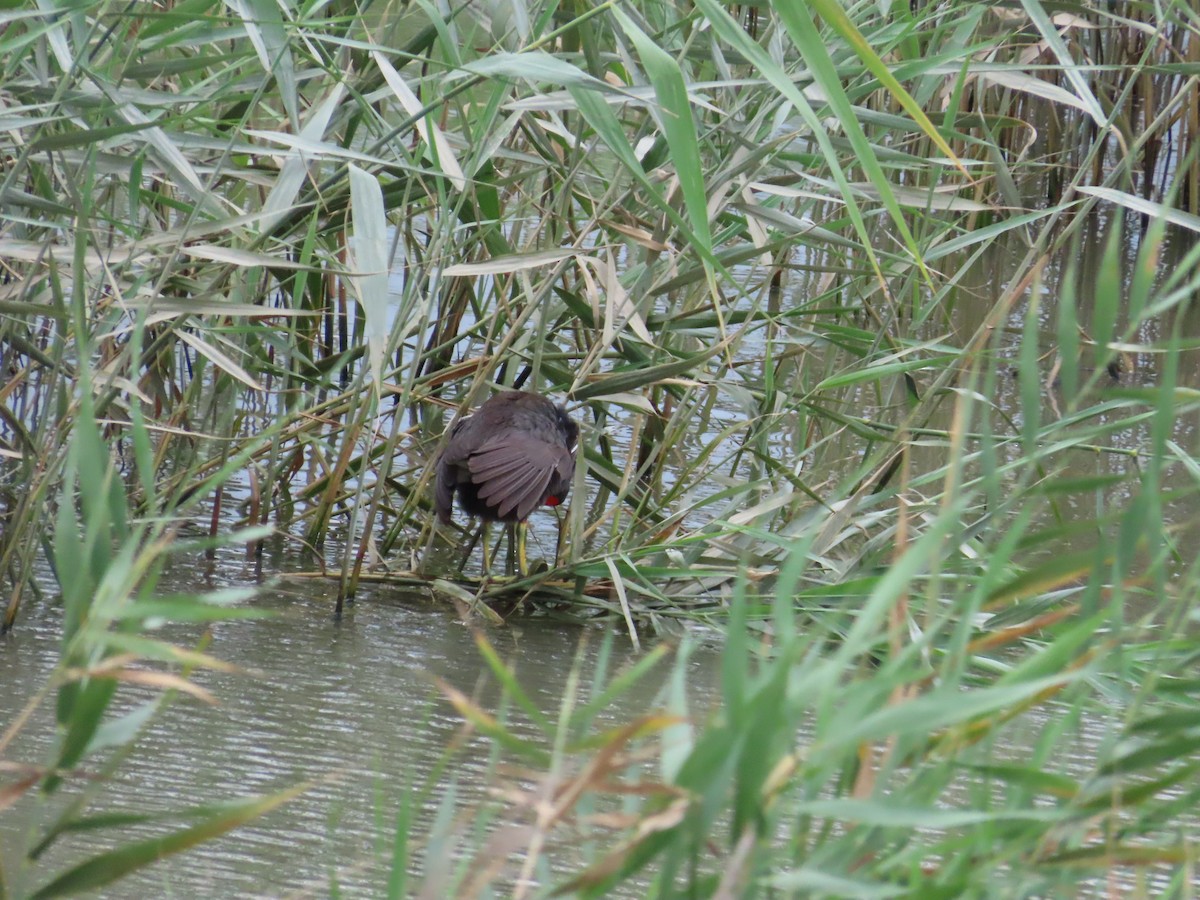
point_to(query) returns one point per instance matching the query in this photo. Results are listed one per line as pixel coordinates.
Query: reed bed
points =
(878, 328)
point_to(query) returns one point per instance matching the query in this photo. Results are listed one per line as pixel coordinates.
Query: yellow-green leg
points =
(522, 563)
(487, 549)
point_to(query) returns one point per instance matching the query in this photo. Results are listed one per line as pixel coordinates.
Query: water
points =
(351, 706)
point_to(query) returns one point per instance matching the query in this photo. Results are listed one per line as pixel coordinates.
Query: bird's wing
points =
(514, 474)
(449, 465)
(443, 498)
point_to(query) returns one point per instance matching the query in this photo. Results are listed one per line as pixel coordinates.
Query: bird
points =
(512, 455)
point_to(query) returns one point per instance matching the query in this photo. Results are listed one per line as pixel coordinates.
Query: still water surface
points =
(351, 705)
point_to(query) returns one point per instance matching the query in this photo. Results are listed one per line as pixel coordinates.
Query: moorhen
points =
(512, 455)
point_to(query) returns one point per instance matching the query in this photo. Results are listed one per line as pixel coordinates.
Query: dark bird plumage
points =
(514, 454)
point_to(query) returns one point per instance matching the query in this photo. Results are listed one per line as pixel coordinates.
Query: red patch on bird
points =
(553, 501)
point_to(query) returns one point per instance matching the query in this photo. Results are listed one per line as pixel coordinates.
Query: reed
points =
(814, 280)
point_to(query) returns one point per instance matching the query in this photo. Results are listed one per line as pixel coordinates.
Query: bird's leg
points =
(522, 563)
(487, 551)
